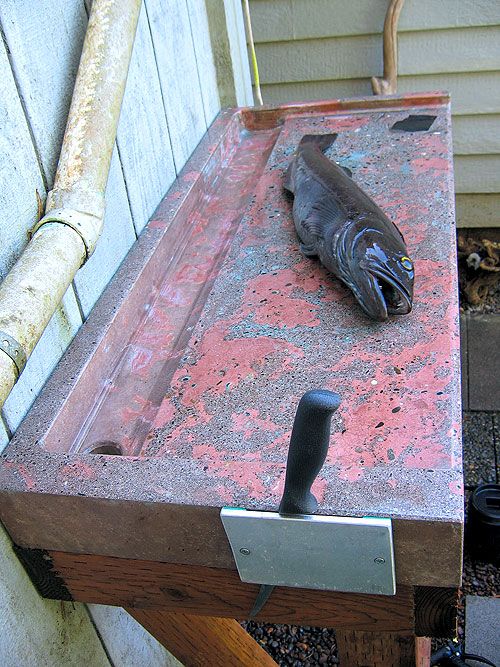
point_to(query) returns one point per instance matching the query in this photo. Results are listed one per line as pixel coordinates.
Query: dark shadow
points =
(108, 448)
(420, 123)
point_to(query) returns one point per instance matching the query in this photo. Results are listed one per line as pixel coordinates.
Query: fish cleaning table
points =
(177, 397)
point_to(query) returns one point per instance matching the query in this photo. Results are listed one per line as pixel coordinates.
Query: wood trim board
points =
(216, 592)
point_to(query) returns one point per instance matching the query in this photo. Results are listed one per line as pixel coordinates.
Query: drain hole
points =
(420, 123)
(109, 448)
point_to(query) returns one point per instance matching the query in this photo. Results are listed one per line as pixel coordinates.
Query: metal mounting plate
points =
(312, 551)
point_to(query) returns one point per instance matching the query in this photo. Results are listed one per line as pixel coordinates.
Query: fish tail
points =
(322, 141)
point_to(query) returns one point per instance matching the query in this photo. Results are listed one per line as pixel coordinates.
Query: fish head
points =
(381, 274)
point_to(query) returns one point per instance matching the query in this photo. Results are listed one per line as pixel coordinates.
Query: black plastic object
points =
(308, 450)
(483, 523)
(452, 655)
(420, 123)
(449, 654)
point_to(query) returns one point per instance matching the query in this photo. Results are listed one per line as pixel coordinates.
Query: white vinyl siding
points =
(321, 49)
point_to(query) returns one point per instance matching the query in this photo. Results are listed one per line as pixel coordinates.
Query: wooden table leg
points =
(203, 640)
(422, 652)
(373, 649)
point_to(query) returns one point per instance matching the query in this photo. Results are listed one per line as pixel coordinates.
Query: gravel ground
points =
(481, 446)
(294, 645)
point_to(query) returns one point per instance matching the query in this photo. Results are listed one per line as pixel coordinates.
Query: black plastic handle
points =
(308, 450)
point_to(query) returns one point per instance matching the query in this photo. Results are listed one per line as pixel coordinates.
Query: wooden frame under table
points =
(151, 590)
(177, 398)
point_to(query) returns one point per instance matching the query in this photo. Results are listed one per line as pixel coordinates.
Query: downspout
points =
(67, 235)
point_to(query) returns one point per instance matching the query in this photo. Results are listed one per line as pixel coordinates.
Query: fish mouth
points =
(394, 298)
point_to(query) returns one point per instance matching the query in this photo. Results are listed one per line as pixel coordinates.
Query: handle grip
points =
(308, 449)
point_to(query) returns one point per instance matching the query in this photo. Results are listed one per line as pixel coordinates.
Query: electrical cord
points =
(478, 658)
(451, 655)
(253, 57)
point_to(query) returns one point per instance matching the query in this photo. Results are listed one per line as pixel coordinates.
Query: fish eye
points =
(407, 263)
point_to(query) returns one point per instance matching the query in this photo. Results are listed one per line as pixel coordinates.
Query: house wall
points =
(318, 49)
(170, 99)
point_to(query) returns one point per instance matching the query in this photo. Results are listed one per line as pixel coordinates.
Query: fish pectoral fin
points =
(313, 226)
(346, 170)
(308, 250)
(324, 213)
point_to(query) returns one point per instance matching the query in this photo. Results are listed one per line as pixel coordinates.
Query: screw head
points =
(245, 551)
(379, 560)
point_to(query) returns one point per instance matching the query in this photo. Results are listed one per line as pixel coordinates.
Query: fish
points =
(340, 224)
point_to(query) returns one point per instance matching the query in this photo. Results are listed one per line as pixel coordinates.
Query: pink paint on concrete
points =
(139, 408)
(164, 415)
(456, 487)
(275, 299)
(141, 360)
(319, 488)
(22, 471)
(374, 431)
(77, 469)
(247, 422)
(421, 165)
(248, 477)
(341, 123)
(223, 362)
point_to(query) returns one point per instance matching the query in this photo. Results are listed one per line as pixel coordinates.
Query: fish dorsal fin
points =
(324, 213)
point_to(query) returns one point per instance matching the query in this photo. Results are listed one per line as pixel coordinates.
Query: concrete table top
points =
(185, 379)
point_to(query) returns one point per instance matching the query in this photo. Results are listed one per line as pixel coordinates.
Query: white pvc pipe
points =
(67, 235)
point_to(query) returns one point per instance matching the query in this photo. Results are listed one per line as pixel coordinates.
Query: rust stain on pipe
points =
(97, 97)
(68, 233)
(83, 168)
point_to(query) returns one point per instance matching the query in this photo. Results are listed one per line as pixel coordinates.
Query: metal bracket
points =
(87, 225)
(13, 350)
(312, 551)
